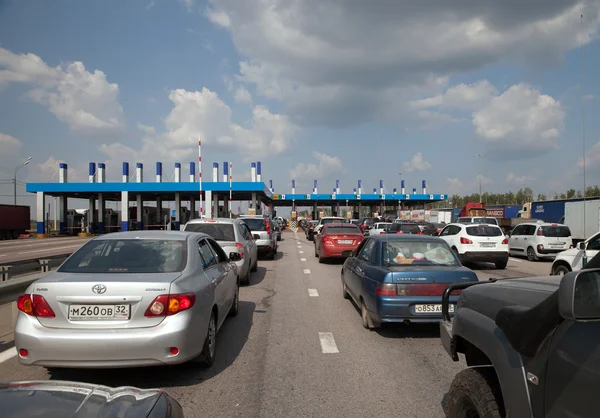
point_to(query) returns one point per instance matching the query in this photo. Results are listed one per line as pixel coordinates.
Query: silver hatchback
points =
(234, 236)
(263, 232)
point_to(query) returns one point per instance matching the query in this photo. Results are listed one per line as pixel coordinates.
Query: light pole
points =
(23, 164)
(480, 198)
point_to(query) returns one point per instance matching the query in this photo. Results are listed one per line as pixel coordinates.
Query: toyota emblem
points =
(99, 289)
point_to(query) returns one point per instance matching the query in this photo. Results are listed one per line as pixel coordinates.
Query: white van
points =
(539, 240)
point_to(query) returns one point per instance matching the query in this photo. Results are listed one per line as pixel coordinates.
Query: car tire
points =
(321, 259)
(209, 349)
(501, 265)
(475, 392)
(254, 268)
(560, 270)
(531, 254)
(367, 321)
(235, 307)
(316, 253)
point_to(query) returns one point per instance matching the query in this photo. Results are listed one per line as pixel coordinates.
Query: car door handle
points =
(359, 270)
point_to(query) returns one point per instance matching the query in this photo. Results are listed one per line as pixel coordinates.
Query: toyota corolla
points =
(130, 299)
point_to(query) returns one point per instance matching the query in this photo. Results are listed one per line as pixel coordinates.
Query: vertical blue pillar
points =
(41, 227)
(62, 201)
(124, 211)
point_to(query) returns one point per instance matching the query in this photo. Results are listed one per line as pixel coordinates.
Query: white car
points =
(379, 228)
(328, 220)
(477, 220)
(536, 240)
(572, 259)
(477, 242)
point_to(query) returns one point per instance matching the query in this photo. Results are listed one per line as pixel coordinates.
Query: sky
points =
(314, 89)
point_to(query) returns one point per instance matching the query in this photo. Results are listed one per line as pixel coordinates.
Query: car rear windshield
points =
(400, 252)
(484, 231)
(405, 228)
(332, 221)
(369, 221)
(555, 231)
(220, 232)
(337, 230)
(128, 256)
(255, 224)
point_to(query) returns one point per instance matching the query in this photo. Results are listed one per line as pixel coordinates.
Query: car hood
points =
(61, 399)
(568, 253)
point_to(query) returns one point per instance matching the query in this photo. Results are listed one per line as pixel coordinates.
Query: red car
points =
(337, 240)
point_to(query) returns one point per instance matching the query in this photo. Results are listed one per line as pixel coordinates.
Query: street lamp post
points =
(480, 197)
(23, 164)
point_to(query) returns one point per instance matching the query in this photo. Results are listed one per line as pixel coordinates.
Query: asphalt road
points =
(297, 348)
(32, 248)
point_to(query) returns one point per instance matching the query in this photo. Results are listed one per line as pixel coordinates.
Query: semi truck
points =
(14, 221)
(574, 219)
(548, 211)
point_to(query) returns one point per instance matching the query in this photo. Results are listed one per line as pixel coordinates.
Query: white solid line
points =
(328, 345)
(8, 354)
(306, 271)
(300, 252)
(313, 293)
(50, 249)
(303, 259)
(516, 260)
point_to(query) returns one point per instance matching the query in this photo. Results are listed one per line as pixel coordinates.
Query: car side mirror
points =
(579, 295)
(235, 256)
(581, 245)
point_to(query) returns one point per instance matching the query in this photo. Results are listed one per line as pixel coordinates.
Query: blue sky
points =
(319, 89)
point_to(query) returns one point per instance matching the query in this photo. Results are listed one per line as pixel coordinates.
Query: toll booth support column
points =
(139, 220)
(177, 211)
(41, 227)
(101, 208)
(192, 208)
(253, 203)
(90, 217)
(215, 206)
(208, 203)
(124, 211)
(159, 217)
(359, 210)
(315, 213)
(339, 212)
(62, 210)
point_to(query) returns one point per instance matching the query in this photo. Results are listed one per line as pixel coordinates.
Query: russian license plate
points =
(344, 241)
(98, 312)
(488, 244)
(432, 308)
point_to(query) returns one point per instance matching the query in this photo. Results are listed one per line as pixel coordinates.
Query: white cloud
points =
(463, 96)
(463, 187)
(148, 129)
(416, 163)
(189, 4)
(324, 167)
(512, 178)
(335, 58)
(10, 155)
(242, 95)
(48, 172)
(86, 101)
(521, 120)
(592, 158)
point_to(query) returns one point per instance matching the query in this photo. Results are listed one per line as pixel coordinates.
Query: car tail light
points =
(327, 240)
(400, 232)
(540, 232)
(403, 289)
(363, 226)
(386, 289)
(35, 305)
(419, 233)
(240, 248)
(267, 226)
(428, 289)
(438, 230)
(464, 240)
(505, 241)
(164, 305)
(382, 232)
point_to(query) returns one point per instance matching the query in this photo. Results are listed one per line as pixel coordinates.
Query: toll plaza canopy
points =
(352, 199)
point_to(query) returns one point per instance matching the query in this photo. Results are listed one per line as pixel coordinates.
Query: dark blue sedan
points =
(401, 278)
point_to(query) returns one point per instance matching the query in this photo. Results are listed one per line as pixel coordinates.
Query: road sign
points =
(308, 196)
(382, 197)
(173, 213)
(282, 197)
(430, 197)
(357, 197)
(275, 197)
(334, 196)
(407, 196)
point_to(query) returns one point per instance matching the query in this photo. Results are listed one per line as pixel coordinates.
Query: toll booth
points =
(111, 220)
(76, 221)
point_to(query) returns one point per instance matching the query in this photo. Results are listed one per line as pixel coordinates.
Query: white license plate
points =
(432, 308)
(488, 244)
(556, 245)
(345, 241)
(99, 312)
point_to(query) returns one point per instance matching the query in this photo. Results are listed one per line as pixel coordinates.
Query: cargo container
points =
(14, 221)
(581, 231)
(503, 211)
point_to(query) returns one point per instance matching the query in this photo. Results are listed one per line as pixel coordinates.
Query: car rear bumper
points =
(551, 251)
(337, 252)
(109, 348)
(484, 256)
(402, 309)
(265, 246)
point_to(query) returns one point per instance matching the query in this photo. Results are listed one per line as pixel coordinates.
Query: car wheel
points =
(207, 356)
(366, 318)
(254, 268)
(501, 265)
(531, 254)
(345, 293)
(321, 259)
(316, 253)
(235, 306)
(475, 392)
(560, 270)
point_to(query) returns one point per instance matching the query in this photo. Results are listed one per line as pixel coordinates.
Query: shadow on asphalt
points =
(491, 266)
(258, 276)
(230, 341)
(409, 331)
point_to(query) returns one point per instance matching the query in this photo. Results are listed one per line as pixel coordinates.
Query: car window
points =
(418, 253)
(554, 231)
(594, 243)
(367, 250)
(128, 256)
(335, 230)
(446, 231)
(220, 232)
(220, 255)
(208, 257)
(255, 224)
(518, 230)
(331, 221)
(484, 231)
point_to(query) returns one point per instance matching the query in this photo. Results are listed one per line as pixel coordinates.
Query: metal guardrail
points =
(12, 289)
(18, 268)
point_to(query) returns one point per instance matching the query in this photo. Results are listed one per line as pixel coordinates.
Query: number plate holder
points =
(89, 312)
(432, 308)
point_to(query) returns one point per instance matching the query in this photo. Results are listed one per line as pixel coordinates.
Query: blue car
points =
(401, 278)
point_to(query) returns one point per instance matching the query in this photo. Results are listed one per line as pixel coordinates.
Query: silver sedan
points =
(130, 299)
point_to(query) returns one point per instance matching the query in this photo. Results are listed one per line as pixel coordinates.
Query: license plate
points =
(432, 308)
(488, 244)
(99, 312)
(345, 241)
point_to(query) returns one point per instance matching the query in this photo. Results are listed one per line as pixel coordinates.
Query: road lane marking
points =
(313, 293)
(306, 271)
(50, 249)
(3, 255)
(303, 259)
(300, 252)
(8, 354)
(299, 246)
(328, 345)
(516, 260)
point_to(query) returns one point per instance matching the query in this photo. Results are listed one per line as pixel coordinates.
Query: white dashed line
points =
(328, 345)
(303, 259)
(313, 293)
(306, 271)
(300, 252)
(8, 354)
(516, 260)
(299, 246)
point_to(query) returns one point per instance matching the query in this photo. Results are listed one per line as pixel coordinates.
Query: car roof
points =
(212, 221)
(394, 237)
(465, 224)
(542, 224)
(166, 235)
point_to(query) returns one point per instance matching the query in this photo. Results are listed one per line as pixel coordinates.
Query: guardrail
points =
(12, 289)
(10, 270)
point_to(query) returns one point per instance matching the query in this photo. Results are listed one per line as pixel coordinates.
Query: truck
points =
(551, 211)
(440, 216)
(530, 346)
(503, 211)
(574, 219)
(473, 209)
(14, 221)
